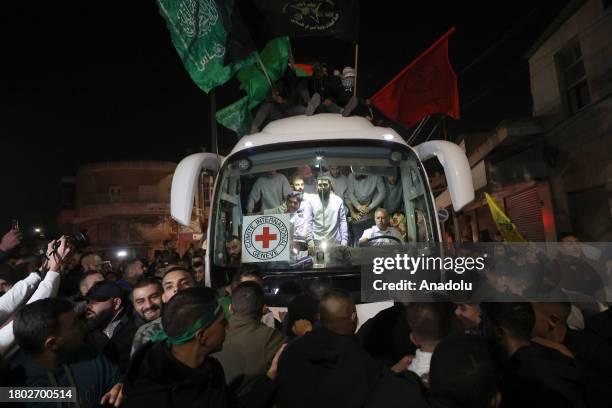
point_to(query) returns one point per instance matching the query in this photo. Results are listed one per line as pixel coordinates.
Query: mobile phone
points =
(15, 225)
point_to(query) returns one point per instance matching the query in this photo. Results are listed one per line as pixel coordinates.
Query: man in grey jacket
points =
(363, 196)
(250, 345)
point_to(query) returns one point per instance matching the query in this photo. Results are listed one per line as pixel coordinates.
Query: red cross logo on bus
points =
(266, 237)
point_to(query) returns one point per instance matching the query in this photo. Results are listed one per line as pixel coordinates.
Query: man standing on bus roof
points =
(271, 189)
(327, 217)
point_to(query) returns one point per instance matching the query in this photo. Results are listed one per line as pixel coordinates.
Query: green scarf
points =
(202, 323)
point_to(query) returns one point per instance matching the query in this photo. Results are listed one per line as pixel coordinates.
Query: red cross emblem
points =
(266, 237)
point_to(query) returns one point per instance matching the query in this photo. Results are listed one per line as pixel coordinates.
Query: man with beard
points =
(326, 219)
(107, 318)
(52, 354)
(86, 281)
(134, 270)
(177, 370)
(174, 280)
(147, 300)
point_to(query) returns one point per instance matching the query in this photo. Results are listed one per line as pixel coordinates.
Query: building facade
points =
(571, 84)
(552, 172)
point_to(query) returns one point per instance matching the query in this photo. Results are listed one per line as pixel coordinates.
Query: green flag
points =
(256, 83)
(199, 36)
(236, 117)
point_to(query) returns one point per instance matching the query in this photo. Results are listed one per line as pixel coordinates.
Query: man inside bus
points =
(269, 189)
(393, 194)
(364, 193)
(339, 181)
(309, 183)
(326, 217)
(294, 207)
(373, 236)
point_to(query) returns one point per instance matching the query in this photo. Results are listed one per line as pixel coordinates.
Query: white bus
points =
(316, 141)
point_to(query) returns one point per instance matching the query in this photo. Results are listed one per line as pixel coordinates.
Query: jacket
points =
(323, 369)
(248, 351)
(156, 379)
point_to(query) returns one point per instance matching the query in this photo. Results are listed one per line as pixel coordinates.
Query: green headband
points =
(203, 322)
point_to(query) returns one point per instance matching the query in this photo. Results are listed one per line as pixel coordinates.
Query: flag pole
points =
(263, 68)
(356, 68)
(213, 122)
(417, 130)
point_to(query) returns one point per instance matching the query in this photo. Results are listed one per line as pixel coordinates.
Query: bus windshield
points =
(329, 203)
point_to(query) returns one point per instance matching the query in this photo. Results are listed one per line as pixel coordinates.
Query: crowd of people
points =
(317, 92)
(154, 335)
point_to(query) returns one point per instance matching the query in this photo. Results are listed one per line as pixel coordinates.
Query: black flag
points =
(306, 18)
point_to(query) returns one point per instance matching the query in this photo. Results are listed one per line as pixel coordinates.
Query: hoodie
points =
(324, 369)
(156, 379)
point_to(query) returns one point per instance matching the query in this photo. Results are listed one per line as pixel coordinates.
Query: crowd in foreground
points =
(153, 335)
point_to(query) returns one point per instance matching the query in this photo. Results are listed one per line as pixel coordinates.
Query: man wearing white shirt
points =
(48, 287)
(381, 229)
(430, 323)
(17, 294)
(327, 219)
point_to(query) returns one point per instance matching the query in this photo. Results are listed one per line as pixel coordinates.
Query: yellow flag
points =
(506, 228)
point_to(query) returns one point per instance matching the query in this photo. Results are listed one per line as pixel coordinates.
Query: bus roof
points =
(323, 126)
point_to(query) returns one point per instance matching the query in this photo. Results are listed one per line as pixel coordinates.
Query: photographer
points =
(57, 252)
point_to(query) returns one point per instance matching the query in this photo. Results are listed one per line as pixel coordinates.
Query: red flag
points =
(428, 85)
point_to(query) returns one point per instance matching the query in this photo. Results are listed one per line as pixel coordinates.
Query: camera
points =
(77, 240)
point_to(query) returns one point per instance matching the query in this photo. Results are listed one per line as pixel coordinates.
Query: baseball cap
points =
(348, 72)
(104, 290)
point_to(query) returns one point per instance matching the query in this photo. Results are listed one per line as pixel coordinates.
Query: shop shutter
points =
(525, 211)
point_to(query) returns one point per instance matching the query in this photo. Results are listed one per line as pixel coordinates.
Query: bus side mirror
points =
(184, 183)
(456, 169)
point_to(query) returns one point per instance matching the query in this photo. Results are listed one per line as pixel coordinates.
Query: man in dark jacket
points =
(177, 370)
(462, 374)
(52, 354)
(588, 349)
(386, 336)
(107, 318)
(533, 375)
(250, 345)
(329, 360)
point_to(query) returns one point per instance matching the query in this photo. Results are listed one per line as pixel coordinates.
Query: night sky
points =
(100, 81)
